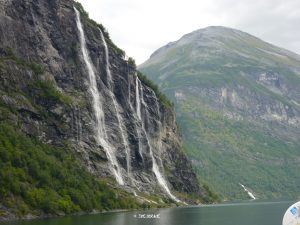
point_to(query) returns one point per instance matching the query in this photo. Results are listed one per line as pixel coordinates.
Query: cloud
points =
(140, 27)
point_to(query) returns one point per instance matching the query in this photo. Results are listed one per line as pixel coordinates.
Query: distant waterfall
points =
(116, 107)
(161, 180)
(138, 112)
(159, 128)
(248, 192)
(137, 98)
(100, 129)
(129, 87)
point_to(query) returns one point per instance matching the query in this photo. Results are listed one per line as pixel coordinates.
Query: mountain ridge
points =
(236, 97)
(227, 29)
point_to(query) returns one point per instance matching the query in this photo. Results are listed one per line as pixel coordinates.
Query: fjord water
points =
(250, 213)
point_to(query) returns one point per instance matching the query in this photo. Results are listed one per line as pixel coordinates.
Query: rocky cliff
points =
(64, 83)
(237, 103)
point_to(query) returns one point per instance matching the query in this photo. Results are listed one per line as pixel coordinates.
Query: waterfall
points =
(129, 87)
(100, 129)
(248, 192)
(138, 113)
(159, 128)
(137, 98)
(116, 107)
(161, 180)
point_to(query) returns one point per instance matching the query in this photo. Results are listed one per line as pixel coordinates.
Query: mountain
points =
(79, 131)
(238, 108)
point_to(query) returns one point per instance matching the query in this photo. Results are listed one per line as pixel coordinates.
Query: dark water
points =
(254, 213)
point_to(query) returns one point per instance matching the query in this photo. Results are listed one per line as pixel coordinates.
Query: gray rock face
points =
(54, 103)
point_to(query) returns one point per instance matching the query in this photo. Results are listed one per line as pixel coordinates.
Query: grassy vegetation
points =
(9, 54)
(36, 177)
(47, 90)
(210, 196)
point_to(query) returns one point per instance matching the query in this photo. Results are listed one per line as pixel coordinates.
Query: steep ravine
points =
(65, 85)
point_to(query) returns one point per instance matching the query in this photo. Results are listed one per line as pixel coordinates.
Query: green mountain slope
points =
(237, 103)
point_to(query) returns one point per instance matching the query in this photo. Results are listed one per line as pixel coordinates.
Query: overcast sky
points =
(141, 26)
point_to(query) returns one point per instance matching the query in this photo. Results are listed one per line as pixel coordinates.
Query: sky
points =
(139, 27)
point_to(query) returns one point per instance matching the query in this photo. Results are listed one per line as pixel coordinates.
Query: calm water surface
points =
(254, 213)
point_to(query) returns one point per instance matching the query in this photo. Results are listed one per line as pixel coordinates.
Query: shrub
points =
(131, 62)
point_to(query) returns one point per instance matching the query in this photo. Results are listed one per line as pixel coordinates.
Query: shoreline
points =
(30, 216)
(27, 217)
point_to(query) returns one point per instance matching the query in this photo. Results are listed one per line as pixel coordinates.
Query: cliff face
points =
(47, 85)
